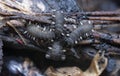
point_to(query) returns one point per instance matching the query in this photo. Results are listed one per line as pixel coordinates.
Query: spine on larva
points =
(39, 32)
(77, 33)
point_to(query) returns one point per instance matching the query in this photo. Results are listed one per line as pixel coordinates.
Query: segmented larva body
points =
(78, 33)
(59, 21)
(40, 32)
(59, 17)
(55, 52)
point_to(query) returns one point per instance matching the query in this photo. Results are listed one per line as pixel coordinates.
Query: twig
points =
(5, 13)
(98, 13)
(105, 18)
(95, 22)
(32, 17)
(109, 38)
(101, 27)
(43, 19)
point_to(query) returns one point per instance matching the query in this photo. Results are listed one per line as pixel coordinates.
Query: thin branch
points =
(105, 18)
(8, 23)
(43, 19)
(98, 13)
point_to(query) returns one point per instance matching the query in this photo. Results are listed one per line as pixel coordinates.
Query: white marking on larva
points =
(53, 16)
(65, 25)
(29, 36)
(73, 20)
(38, 26)
(47, 56)
(29, 22)
(74, 26)
(93, 30)
(25, 32)
(34, 38)
(69, 19)
(67, 34)
(53, 23)
(89, 22)
(86, 34)
(81, 23)
(44, 28)
(63, 57)
(65, 19)
(50, 48)
(53, 10)
(62, 34)
(76, 42)
(81, 38)
(50, 30)
(64, 50)
(61, 11)
(52, 40)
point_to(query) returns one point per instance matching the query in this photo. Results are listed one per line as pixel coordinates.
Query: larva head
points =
(55, 56)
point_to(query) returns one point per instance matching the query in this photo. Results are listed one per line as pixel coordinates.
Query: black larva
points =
(55, 52)
(59, 21)
(41, 32)
(78, 33)
(59, 17)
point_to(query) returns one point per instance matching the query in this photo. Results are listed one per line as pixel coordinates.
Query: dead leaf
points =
(97, 66)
